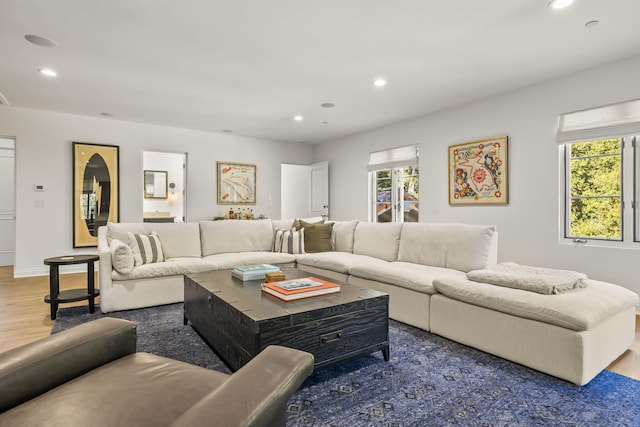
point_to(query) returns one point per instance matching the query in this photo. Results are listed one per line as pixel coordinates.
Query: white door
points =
(7, 202)
(319, 189)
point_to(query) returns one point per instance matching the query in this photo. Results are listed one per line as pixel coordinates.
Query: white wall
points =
(295, 191)
(172, 164)
(44, 156)
(529, 225)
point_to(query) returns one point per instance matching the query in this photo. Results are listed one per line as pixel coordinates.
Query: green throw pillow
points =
(317, 237)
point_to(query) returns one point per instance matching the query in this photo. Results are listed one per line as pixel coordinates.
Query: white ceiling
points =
(250, 65)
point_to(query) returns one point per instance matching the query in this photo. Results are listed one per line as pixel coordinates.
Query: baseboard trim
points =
(44, 271)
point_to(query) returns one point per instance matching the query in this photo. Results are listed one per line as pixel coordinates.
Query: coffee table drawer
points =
(334, 337)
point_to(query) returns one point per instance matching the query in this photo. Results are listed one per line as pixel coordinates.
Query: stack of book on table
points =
(253, 272)
(295, 289)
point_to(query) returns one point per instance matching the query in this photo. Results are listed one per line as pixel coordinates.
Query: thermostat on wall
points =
(38, 187)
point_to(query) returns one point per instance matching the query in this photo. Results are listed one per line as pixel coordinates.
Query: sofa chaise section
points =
(573, 335)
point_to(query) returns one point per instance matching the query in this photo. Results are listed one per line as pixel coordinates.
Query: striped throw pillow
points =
(289, 241)
(146, 248)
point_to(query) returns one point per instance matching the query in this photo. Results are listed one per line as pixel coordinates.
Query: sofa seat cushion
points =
(340, 262)
(171, 267)
(165, 388)
(579, 311)
(230, 260)
(404, 274)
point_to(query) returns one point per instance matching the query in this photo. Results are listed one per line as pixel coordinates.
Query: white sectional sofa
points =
(421, 266)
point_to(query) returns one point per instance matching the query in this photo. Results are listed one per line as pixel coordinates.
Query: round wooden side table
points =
(56, 297)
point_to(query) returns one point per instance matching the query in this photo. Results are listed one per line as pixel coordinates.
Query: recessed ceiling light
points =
(559, 4)
(47, 72)
(592, 23)
(379, 82)
(40, 41)
(328, 105)
(298, 118)
(227, 131)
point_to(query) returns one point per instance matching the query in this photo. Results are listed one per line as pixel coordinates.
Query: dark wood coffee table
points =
(238, 320)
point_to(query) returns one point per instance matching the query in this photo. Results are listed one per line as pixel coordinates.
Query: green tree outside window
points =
(595, 189)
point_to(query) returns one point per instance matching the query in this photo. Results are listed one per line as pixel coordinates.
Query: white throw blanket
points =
(535, 279)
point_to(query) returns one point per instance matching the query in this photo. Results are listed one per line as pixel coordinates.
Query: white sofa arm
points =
(104, 270)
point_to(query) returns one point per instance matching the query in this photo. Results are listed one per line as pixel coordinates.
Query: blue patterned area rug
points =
(429, 381)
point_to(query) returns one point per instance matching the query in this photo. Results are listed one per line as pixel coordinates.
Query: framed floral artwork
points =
(96, 198)
(236, 183)
(478, 172)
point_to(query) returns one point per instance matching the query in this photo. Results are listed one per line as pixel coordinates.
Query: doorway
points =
(164, 178)
(304, 190)
(7, 201)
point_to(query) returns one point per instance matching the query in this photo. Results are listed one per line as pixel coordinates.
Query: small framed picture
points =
(478, 172)
(236, 183)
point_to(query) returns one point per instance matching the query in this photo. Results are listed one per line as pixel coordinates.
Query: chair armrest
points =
(254, 396)
(105, 268)
(33, 369)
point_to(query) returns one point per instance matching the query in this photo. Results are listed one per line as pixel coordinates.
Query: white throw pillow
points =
(146, 248)
(121, 256)
(289, 241)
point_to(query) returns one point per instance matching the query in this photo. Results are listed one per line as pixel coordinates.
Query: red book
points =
(289, 290)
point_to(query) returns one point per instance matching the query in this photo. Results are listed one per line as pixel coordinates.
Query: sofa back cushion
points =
(463, 247)
(378, 240)
(342, 235)
(177, 239)
(232, 235)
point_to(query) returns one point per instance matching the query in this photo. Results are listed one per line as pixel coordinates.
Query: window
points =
(594, 189)
(601, 173)
(396, 193)
(394, 185)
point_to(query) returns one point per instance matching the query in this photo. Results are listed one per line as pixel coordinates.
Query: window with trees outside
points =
(602, 174)
(394, 184)
(594, 189)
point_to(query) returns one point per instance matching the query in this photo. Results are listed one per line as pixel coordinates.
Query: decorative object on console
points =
(296, 289)
(253, 272)
(478, 172)
(236, 183)
(96, 186)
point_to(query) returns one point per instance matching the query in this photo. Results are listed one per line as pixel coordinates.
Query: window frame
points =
(569, 197)
(629, 192)
(396, 196)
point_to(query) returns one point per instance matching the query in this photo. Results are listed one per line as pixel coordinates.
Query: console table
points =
(56, 297)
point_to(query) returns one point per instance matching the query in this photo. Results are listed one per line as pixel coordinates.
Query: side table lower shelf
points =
(72, 295)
